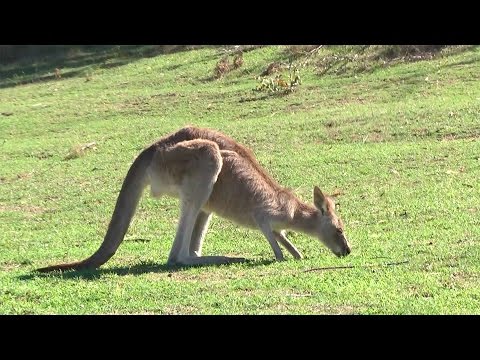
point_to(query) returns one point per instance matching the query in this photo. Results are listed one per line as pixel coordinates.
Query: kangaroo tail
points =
(127, 202)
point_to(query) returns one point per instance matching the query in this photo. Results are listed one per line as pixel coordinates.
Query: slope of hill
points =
(398, 138)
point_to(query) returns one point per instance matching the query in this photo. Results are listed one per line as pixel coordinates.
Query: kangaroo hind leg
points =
(196, 165)
(199, 231)
(202, 163)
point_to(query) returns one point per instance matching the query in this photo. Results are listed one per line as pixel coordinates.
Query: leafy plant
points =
(278, 84)
(223, 66)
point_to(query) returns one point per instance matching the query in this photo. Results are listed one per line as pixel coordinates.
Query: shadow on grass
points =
(388, 56)
(138, 269)
(38, 63)
(461, 62)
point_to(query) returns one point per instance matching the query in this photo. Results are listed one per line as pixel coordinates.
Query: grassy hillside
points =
(399, 139)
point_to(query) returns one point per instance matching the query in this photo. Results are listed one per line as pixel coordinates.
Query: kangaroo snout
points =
(344, 250)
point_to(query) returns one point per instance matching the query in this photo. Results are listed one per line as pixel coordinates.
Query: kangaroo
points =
(211, 173)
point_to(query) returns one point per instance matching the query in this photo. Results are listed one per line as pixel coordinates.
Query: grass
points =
(401, 142)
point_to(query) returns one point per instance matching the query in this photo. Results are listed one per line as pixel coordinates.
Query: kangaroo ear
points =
(319, 199)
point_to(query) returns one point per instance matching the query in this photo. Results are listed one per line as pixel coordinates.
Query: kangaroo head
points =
(330, 227)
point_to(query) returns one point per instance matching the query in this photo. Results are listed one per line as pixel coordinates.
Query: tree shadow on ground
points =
(36, 63)
(386, 56)
(138, 269)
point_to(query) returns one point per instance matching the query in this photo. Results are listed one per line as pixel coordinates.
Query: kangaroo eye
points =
(340, 231)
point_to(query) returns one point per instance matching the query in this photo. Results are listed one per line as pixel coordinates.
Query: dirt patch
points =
(9, 266)
(22, 176)
(179, 310)
(461, 280)
(451, 137)
(375, 136)
(278, 308)
(326, 309)
(29, 209)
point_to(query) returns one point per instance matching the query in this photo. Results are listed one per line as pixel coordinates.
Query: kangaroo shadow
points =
(138, 269)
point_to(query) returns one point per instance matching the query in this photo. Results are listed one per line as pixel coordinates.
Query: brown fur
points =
(212, 173)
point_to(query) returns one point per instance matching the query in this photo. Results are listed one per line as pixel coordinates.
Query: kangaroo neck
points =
(305, 218)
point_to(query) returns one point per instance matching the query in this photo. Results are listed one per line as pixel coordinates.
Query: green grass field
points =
(401, 142)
